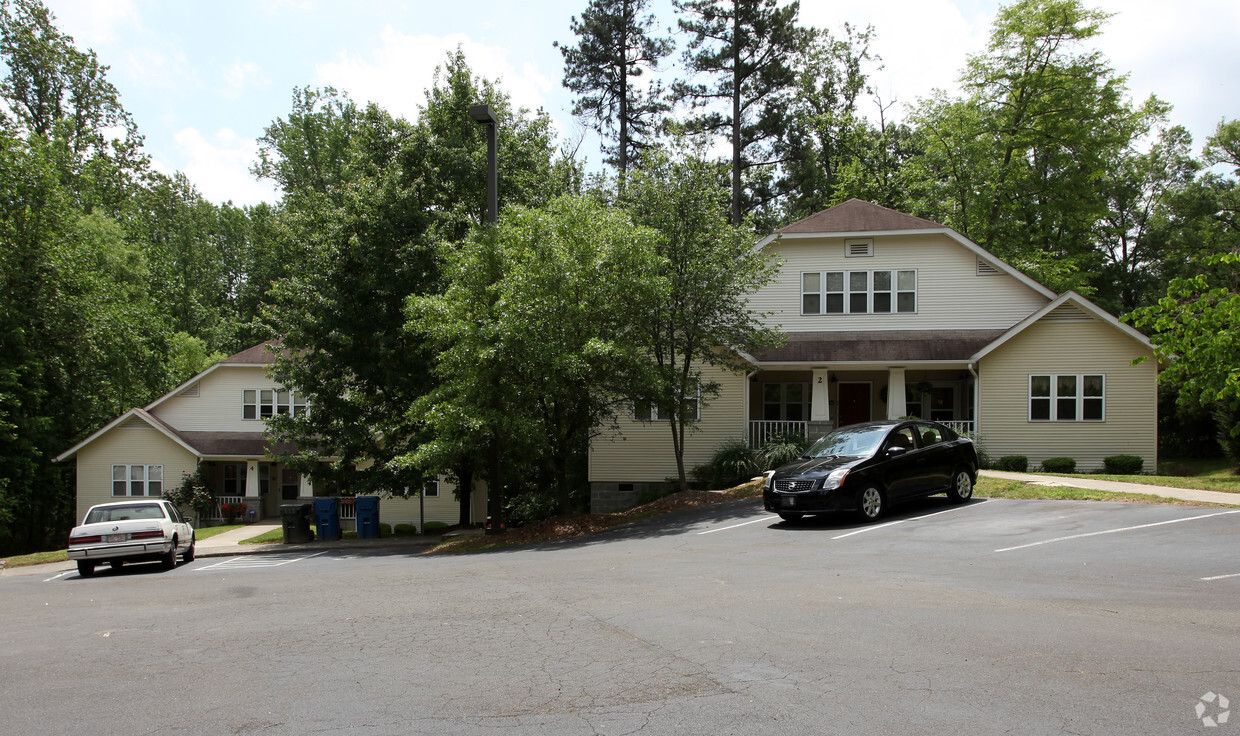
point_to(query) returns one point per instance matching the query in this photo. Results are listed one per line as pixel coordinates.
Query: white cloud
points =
(244, 74)
(94, 23)
(396, 74)
(219, 166)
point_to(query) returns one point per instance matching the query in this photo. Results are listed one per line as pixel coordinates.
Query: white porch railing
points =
(348, 508)
(965, 427)
(762, 430)
(220, 502)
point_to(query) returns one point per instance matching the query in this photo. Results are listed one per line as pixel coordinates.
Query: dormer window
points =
(859, 292)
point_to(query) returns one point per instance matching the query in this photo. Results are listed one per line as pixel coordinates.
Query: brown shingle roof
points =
(257, 355)
(858, 216)
(247, 444)
(879, 347)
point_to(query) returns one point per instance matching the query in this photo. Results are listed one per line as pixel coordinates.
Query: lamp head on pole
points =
(482, 114)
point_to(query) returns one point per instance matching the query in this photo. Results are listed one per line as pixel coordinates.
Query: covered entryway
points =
(854, 402)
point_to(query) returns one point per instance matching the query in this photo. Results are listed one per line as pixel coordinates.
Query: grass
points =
(1001, 488)
(1211, 475)
(210, 531)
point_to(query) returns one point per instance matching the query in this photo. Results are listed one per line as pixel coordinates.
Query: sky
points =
(203, 79)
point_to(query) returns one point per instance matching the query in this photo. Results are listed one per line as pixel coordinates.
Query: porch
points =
(261, 485)
(815, 400)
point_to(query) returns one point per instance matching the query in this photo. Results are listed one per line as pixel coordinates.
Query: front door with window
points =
(854, 403)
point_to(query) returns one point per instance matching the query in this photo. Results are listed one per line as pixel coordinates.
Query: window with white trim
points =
(137, 480)
(859, 292)
(264, 403)
(1067, 397)
(431, 489)
(645, 410)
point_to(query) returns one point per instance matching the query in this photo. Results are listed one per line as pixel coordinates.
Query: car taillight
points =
(157, 534)
(85, 540)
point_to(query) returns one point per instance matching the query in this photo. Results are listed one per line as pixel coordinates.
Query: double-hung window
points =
(1067, 397)
(859, 292)
(645, 410)
(264, 403)
(137, 480)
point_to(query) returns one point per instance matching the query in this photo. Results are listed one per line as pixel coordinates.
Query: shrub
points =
(651, 493)
(1123, 464)
(432, 527)
(734, 462)
(1014, 463)
(405, 529)
(781, 449)
(1059, 465)
(233, 511)
(385, 530)
(193, 493)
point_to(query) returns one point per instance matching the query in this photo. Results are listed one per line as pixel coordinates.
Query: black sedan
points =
(866, 467)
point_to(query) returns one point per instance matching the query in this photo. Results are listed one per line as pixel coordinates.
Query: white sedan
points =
(131, 531)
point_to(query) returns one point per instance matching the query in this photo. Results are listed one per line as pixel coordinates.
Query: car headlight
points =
(835, 479)
(770, 480)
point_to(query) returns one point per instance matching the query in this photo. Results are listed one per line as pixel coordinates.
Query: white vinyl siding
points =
(1080, 349)
(947, 294)
(134, 443)
(641, 452)
(219, 404)
(442, 507)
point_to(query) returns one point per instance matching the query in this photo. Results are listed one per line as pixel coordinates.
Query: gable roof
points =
(1068, 297)
(856, 215)
(258, 355)
(858, 218)
(135, 413)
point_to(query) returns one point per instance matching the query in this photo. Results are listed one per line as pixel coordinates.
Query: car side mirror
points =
(896, 451)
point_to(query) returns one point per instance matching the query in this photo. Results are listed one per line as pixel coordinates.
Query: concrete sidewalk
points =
(1183, 494)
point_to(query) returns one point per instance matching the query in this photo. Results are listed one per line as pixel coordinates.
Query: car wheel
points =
(961, 489)
(189, 553)
(169, 560)
(86, 569)
(870, 504)
(790, 516)
(117, 564)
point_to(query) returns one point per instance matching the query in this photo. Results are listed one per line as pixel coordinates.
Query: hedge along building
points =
(216, 421)
(889, 315)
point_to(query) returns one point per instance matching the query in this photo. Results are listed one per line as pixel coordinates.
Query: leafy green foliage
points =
(1059, 465)
(782, 449)
(1123, 464)
(1014, 463)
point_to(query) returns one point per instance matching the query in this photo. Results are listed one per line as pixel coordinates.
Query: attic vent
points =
(985, 269)
(191, 390)
(858, 248)
(1067, 313)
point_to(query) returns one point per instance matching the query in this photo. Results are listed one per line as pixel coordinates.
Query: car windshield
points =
(853, 441)
(124, 513)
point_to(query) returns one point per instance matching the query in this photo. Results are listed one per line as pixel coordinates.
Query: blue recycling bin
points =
(367, 517)
(327, 518)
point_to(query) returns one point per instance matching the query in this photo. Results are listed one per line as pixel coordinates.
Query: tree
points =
(746, 50)
(707, 267)
(533, 335)
(1016, 165)
(614, 47)
(371, 198)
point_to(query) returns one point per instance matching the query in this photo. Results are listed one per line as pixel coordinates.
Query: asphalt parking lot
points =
(992, 617)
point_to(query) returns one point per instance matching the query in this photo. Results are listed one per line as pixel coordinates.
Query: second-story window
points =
(859, 292)
(263, 403)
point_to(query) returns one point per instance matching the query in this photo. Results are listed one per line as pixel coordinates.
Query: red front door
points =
(854, 403)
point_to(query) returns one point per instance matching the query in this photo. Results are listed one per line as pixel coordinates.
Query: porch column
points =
(896, 407)
(252, 499)
(820, 408)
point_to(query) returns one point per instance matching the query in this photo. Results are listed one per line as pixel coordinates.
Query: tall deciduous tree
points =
(707, 267)
(372, 197)
(614, 49)
(534, 336)
(1016, 165)
(742, 56)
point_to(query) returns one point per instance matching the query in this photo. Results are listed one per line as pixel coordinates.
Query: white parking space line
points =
(256, 561)
(1115, 531)
(1221, 577)
(893, 523)
(768, 517)
(61, 575)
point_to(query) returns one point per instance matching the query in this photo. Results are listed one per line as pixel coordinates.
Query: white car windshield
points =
(125, 513)
(856, 442)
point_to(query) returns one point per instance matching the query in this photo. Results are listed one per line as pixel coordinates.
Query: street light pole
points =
(483, 115)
